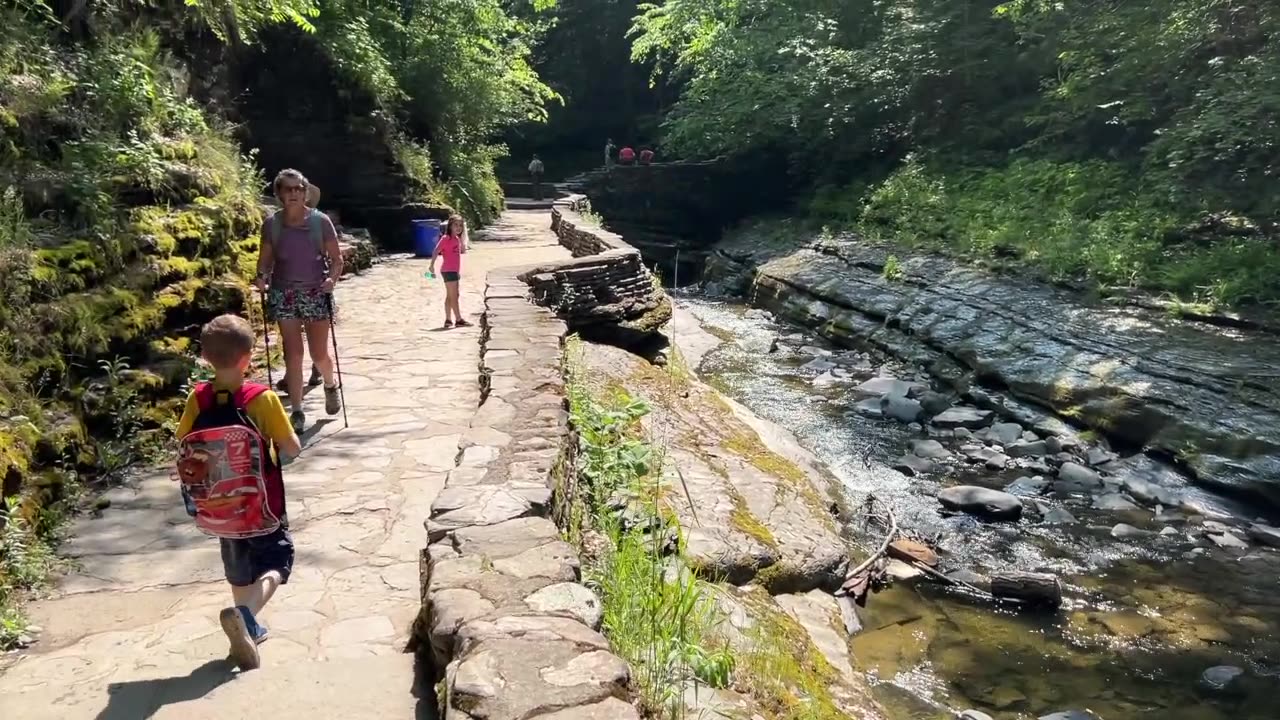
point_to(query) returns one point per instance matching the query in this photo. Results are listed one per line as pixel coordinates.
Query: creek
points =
(1152, 601)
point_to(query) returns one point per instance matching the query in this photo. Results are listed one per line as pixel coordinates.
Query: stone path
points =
(133, 633)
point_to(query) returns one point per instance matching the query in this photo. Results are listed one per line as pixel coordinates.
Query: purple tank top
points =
(298, 263)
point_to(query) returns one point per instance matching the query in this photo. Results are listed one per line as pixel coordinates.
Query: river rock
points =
(910, 465)
(1113, 502)
(1265, 535)
(1098, 456)
(1069, 715)
(900, 408)
(980, 501)
(757, 344)
(963, 416)
(826, 379)
(1149, 493)
(1228, 541)
(929, 449)
(1221, 678)
(915, 427)
(974, 715)
(889, 386)
(1059, 516)
(1053, 445)
(1168, 531)
(1027, 486)
(869, 407)
(998, 461)
(1006, 433)
(1073, 477)
(934, 402)
(814, 351)
(962, 434)
(818, 365)
(1023, 448)
(1123, 531)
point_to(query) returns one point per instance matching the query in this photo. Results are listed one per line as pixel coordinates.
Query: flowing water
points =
(1145, 616)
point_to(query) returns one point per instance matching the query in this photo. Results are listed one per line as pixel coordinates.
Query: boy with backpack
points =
(233, 435)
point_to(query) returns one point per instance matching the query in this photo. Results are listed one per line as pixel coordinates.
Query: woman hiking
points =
(298, 265)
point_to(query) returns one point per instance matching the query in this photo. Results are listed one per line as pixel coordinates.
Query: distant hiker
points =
(646, 156)
(298, 266)
(626, 156)
(449, 251)
(233, 436)
(608, 154)
(535, 172)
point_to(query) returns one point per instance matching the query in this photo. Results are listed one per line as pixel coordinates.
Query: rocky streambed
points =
(1172, 609)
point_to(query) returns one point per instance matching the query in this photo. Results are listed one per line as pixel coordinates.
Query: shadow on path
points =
(140, 699)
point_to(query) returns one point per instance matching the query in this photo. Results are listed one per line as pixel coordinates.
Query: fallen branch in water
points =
(884, 546)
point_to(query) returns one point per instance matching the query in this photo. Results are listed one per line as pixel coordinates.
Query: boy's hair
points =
(226, 340)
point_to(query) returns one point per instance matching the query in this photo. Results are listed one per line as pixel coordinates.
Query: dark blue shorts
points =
(450, 276)
(244, 561)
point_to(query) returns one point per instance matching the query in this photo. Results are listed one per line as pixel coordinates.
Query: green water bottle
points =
(429, 275)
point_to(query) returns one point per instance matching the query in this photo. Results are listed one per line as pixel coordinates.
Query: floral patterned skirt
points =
(292, 304)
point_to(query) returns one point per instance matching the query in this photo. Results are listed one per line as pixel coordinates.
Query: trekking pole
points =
(266, 336)
(337, 364)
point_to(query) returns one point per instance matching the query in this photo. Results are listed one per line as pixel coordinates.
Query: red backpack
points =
(228, 473)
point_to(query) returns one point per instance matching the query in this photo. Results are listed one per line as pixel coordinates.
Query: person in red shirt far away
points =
(626, 156)
(646, 156)
(449, 252)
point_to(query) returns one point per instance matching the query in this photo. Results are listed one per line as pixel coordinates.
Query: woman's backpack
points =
(315, 227)
(231, 482)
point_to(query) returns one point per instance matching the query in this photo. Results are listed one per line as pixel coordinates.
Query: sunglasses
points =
(293, 189)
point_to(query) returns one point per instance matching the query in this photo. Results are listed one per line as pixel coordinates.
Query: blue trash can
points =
(426, 233)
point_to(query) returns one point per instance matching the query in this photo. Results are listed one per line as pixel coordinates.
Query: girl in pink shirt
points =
(449, 251)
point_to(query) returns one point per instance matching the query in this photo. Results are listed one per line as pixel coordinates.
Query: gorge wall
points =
(1201, 394)
(679, 209)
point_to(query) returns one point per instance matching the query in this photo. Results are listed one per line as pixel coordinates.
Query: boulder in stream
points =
(1058, 516)
(1023, 448)
(1069, 715)
(869, 407)
(1265, 535)
(1123, 531)
(1073, 477)
(974, 715)
(1006, 433)
(890, 386)
(963, 416)
(911, 465)
(934, 403)
(997, 461)
(1228, 541)
(1221, 678)
(929, 449)
(818, 365)
(1027, 486)
(900, 408)
(1114, 502)
(980, 501)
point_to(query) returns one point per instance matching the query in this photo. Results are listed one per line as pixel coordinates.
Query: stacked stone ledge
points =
(505, 616)
(605, 293)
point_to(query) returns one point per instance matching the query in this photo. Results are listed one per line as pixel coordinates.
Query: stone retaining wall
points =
(508, 622)
(605, 293)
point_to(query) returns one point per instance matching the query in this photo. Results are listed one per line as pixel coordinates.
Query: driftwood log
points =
(1030, 588)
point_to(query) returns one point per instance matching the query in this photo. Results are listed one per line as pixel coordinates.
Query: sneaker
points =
(298, 420)
(244, 649)
(332, 402)
(463, 323)
(448, 324)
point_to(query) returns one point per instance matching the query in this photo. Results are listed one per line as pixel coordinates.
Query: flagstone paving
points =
(132, 632)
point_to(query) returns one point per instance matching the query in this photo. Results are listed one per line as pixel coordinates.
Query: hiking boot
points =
(298, 420)
(314, 380)
(332, 402)
(235, 623)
